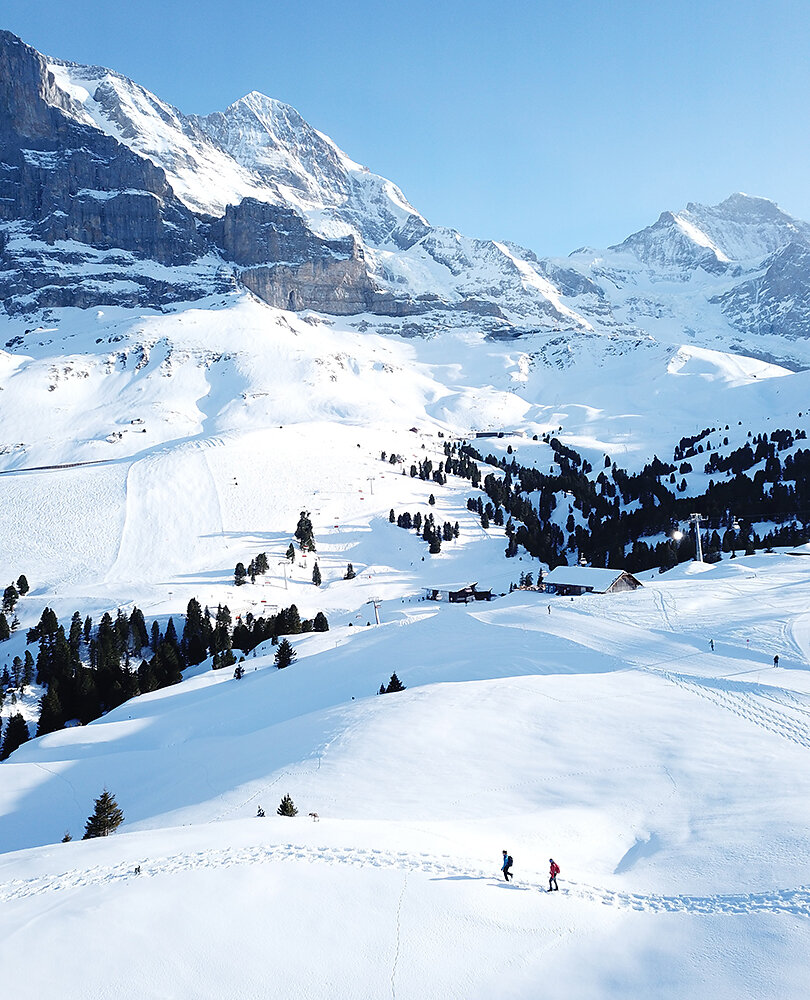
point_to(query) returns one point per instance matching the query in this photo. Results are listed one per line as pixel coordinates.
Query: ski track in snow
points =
(789, 901)
(747, 701)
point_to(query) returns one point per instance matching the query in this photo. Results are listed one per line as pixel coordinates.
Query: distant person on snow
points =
(553, 872)
(776, 660)
(711, 644)
(505, 867)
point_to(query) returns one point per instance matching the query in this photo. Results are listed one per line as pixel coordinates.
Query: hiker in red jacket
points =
(553, 872)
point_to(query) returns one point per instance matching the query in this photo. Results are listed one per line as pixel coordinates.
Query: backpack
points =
(509, 861)
(555, 869)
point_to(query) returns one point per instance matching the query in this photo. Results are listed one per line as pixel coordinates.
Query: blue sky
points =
(551, 124)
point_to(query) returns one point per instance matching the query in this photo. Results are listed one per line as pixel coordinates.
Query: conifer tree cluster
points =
(90, 671)
(250, 631)
(394, 684)
(615, 509)
(256, 567)
(427, 528)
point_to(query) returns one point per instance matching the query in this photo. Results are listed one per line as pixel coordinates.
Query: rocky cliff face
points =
(252, 193)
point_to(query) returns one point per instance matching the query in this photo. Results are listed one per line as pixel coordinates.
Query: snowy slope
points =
(603, 733)
(631, 754)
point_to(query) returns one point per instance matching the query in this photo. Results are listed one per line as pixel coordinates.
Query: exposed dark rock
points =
(254, 232)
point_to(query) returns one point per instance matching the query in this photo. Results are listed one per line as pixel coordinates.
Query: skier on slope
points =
(505, 867)
(553, 872)
(776, 660)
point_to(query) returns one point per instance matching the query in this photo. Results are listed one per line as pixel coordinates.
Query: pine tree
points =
(395, 684)
(316, 575)
(106, 818)
(5, 631)
(285, 654)
(239, 574)
(16, 734)
(350, 574)
(290, 554)
(137, 629)
(392, 516)
(51, 716)
(262, 564)
(303, 532)
(10, 597)
(170, 635)
(195, 637)
(287, 807)
(28, 669)
(320, 624)
(88, 628)
(22, 585)
(75, 634)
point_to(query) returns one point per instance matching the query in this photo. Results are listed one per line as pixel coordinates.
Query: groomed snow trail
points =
(794, 901)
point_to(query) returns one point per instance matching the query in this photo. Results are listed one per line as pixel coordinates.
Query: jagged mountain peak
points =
(741, 229)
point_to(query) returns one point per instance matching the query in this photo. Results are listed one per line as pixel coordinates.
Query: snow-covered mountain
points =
(733, 274)
(113, 196)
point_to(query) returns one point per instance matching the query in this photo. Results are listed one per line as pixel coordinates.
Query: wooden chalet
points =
(573, 581)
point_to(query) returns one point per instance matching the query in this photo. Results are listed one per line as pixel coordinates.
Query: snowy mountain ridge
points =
(732, 275)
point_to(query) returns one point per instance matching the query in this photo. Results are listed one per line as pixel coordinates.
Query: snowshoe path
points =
(789, 901)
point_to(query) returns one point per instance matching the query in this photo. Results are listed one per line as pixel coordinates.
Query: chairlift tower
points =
(696, 519)
(376, 601)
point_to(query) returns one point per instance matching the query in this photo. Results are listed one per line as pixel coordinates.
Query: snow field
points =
(668, 781)
(543, 733)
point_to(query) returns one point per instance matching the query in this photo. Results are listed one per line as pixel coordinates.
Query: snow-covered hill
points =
(667, 780)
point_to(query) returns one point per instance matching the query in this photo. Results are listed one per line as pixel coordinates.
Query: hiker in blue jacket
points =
(507, 864)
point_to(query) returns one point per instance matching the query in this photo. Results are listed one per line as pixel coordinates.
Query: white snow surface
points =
(668, 781)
